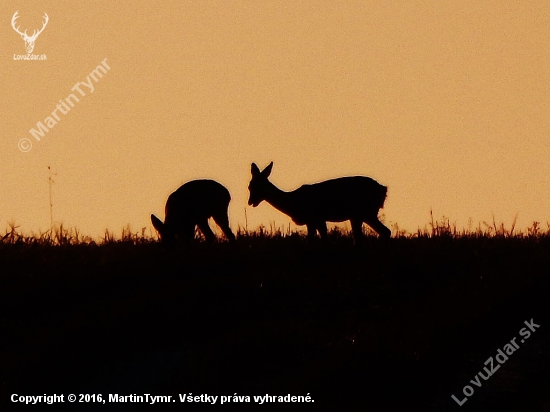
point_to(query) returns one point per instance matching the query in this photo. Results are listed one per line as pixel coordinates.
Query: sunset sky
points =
(445, 102)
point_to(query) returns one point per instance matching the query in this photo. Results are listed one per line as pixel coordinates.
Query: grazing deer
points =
(192, 205)
(354, 198)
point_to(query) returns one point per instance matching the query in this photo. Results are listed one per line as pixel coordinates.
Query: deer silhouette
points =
(354, 198)
(192, 205)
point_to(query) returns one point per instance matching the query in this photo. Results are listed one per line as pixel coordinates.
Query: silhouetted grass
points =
(391, 325)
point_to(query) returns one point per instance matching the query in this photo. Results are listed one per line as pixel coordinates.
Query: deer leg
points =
(186, 232)
(184, 229)
(222, 221)
(206, 231)
(311, 230)
(378, 227)
(322, 228)
(357, 229)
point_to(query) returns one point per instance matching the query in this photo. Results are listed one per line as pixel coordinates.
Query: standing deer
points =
(192, 205)
(354, 198)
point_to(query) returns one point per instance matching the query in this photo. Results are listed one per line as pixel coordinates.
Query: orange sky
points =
(446, 103)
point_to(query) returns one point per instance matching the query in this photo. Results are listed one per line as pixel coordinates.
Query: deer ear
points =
(254, 169)
(267, 171)
(157, 224)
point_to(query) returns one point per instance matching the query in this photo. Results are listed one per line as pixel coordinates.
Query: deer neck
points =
(281, 200)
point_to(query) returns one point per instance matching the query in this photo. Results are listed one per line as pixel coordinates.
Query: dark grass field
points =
(392, 325)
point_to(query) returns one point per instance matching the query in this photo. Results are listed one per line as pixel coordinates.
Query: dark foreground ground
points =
(396, 325)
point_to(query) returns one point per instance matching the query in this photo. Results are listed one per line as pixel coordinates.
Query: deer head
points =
(259, 184)
(29, 40)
